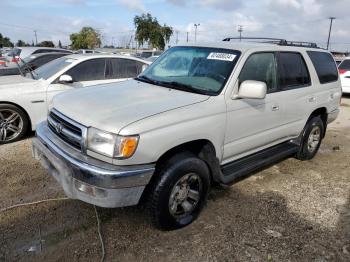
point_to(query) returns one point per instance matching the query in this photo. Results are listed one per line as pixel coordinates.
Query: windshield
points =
(51, 68)
(193, 69)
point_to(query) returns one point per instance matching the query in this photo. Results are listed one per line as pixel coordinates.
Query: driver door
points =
(252, 124)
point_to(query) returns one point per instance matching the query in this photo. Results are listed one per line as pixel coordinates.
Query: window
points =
(345, 65)
(324, 65)
(293, 72)
(90, 70)
(260, 67)
(123, 68)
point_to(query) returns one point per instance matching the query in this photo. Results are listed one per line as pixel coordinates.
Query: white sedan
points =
(24, 100)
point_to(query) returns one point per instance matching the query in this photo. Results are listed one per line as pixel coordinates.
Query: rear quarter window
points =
(325, 66)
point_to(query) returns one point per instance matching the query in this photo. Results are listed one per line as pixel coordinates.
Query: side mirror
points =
(252, 89)
(65, 79)
(144, 68)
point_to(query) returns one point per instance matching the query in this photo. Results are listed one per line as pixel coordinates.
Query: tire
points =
(172, 201)
(13, 123)
(311, 139)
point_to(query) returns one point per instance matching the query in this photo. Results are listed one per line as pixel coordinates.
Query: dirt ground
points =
(292, 211)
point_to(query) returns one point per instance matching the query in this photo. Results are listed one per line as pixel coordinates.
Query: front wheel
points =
(179, 192)
(13, 123)
(311, 139)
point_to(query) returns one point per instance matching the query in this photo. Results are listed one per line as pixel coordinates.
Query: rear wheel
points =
(312, 138)
(179, 192)
(13, 123)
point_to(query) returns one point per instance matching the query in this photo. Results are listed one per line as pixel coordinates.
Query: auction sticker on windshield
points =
(221, 56)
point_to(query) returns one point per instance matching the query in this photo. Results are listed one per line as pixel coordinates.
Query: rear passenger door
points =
(121, 69)
(295, 93)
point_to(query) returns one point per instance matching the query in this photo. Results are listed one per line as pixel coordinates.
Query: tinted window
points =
(293, 72)
(260, 67)
(93, 69)
(123, 68)
(324, 65)
(345, 65)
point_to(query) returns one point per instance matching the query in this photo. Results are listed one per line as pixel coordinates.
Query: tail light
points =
(342, 71)
(15, 59)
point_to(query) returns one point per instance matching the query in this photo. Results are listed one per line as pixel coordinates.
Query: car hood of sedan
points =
(5, 81)
(111, 107)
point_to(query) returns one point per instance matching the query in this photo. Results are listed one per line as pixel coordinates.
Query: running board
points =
(244, 166)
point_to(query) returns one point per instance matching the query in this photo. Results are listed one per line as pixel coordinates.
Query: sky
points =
(299, 20)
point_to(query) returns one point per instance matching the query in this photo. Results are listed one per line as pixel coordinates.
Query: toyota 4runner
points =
(201, 114)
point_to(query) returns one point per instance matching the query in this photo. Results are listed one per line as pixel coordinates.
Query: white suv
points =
(200, 114)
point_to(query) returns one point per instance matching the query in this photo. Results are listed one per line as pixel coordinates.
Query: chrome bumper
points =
(86, 178)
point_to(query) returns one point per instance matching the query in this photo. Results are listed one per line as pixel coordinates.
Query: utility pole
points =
(330, 30)
(187, 37)
(195, 32)
(177, 36)
(36, 38)
(240, 30)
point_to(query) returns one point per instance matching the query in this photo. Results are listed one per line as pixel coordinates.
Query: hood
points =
(14, 80)
(111, 107)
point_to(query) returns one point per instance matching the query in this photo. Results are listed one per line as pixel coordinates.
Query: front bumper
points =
(88, 179)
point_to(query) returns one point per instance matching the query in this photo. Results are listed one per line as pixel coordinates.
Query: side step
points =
(244, 166)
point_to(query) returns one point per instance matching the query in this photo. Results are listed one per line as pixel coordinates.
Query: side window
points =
(42, 60)
(123, 68)
(260, 67)
(293, 72)
(90, 70)
(325, 67)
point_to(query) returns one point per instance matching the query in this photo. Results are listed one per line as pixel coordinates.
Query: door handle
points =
(275, 108)
(312, 99)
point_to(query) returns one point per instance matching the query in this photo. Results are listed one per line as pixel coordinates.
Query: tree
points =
(46, 44)
(148, 30)
(59, 44)
(5, 41)
(87, 38)
(21, 43)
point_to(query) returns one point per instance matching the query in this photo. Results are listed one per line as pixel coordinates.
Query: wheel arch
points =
(20, 107)
(202, 148)
(322, 112)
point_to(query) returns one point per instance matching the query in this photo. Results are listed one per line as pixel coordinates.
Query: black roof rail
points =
(277, 41)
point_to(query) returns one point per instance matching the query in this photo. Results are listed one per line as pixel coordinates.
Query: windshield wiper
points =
(146, 79)
(184, 87)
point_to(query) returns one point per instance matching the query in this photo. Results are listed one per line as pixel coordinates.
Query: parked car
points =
(146, 54)
(344, 71)
(18, 53)
(87, 51)
(24, 101)
(152, 58)
(30, 63)
(200, 114)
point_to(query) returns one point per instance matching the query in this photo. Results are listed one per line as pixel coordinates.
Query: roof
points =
(244, 46)
(102, 55)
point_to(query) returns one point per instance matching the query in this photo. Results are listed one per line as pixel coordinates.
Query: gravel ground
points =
(292, 211)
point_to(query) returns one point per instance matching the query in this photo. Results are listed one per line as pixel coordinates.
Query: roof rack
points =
(277, 41)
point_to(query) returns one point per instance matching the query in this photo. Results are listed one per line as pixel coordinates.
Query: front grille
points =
(66, 129)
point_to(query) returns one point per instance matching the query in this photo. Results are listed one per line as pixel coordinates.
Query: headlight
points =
(111, 145)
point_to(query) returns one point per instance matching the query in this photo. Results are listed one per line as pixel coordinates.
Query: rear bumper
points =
(332, 116)
(88, 179)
